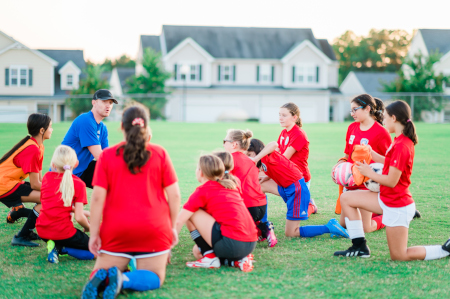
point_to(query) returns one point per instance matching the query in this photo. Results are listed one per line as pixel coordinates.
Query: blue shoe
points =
(336, 230)
(114, 285)
(63, 252)
(90, 290)
(52, 256)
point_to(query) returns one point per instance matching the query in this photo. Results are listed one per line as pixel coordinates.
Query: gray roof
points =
(436, 39)
(63, 56)
(106, 76)
(243, 42)
(371, 82)
(125, 73)
(151, 41)
(327, 49)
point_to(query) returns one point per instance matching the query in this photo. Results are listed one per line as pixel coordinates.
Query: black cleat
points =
(34, 237)
(23, 241)
(362, 251)
(446, 246)
(417, 214)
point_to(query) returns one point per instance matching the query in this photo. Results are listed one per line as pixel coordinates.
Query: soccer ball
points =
(343, 174)
(371, 184)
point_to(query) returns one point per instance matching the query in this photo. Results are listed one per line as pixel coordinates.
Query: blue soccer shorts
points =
(297, 198)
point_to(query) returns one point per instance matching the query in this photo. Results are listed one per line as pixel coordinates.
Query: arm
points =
(290, 151)
(40, 175)
(183, 216)
(97, 203)
(173, 198)
(95, 150)
(376, 157)
(35, 182)
(390, 180)
(80, 216)
(269, 148)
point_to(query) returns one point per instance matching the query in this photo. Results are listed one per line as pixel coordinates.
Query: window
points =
(226, 73)
(189, 72)
(265, 73)
(305, 74)
(18, 76)
(70, 80)
(14, 77)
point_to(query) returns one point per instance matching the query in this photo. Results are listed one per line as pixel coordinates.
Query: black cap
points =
(104, 94)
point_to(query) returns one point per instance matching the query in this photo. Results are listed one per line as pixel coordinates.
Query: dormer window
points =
(305, 74)
(265, 73)
(226, 73)
(188, 72)
(70, 80)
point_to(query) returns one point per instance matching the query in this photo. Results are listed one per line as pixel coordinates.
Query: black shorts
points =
(15, 198)
(227, 248)
(88, 174)
(78, 241)
(257, 212)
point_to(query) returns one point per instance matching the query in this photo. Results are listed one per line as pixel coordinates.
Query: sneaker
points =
(11, 218)
(314, 204)
(362, 251)
(210, 261)
(34, 237)
(259, 233)
(446, 246)
(417, 214)
(114, 284)
(90, 290)
(336, 230)
(245, 264)
(23, 241)
(52, 256)
(271, 238)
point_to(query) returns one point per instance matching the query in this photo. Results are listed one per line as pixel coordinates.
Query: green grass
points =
(295, 267)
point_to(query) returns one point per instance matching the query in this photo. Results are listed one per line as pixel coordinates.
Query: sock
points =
(264, 219)
(309, 231)
(358, 242)
(311, 209)
(378, 219)
(354, 228)
(29, 225)
(435, 252)
(23, 212)
(79, 253)
(201, 243)
(141, 280)
(264, 228)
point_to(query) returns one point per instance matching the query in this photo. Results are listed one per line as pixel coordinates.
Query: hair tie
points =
(138, 121)
(226, 171)
(67, 167)
(408, 121)
(362, 101)
(217, 180)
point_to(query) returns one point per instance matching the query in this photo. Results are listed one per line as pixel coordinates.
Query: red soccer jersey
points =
(246, 171)
(296, 138)
(30, 159)
(400, 155)
(136, 215)
(377, 137)
(54, 221)
(227, 208)
(283, 171)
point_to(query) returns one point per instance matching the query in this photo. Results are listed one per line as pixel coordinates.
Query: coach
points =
(88, 135)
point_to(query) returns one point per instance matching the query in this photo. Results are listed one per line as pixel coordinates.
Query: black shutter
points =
(273, 73)
(317, 74)
(218, 72)
(6, 77)
(175, 72)
(30, 77)
(234, 73)
(293, 73)
(199, 72)
(257, 73)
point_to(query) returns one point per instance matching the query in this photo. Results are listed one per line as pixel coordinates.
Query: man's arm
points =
(95, 150)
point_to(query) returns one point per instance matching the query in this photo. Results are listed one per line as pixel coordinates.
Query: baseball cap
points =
(104, 94)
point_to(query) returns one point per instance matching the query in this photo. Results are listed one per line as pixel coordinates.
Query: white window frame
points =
(265, 73)
(228, 73)
(306, 74)
(69, 82)
(18, 77)
(194, 70)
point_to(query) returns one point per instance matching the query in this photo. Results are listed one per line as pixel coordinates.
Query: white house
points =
(118, 78)
(222, 73)
(35, 80)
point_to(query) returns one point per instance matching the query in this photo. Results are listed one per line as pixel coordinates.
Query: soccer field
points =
(295, 267)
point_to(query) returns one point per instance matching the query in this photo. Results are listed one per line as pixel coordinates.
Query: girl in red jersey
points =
(61, 193)
(287, 181)
(394, 200)
(134, 206)
(218, 220)
(22, 161)
(237, 142)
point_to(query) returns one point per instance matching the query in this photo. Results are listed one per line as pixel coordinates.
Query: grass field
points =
(295, 267)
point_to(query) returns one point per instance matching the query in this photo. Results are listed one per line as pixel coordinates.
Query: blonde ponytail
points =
(64, 160)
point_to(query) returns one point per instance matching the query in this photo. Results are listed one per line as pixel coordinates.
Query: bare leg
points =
(397, 238)
(270, 187)
(106, 261)
(369, 225)
(366, 200)
(155, 264)
(292, 228)
(197, 254)
(204, 224)
(34, 196)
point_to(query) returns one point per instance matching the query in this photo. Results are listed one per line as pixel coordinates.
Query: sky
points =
(110, 28)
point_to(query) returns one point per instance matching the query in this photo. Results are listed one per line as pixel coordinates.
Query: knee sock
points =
(264, 228)
(435, 252)
(141, 280)
(23, 212)
(29, 225)
(378, 219)
(354, 228)
(265, 218)
(79, 253)
(201, 243)
(309, 231)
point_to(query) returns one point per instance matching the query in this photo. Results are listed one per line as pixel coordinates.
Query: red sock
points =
(311, 209)
(93, 273)
(378, 219)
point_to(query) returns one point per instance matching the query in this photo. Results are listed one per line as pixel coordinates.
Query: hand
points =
(252, 158)
(263, 179)
(86, 230)
(95, 244)
(174, 238)
(169, 257)
(364, 168)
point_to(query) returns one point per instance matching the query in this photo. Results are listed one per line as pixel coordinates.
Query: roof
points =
(327, 49)
(371, 82)
(243, 42)
(63, 56)
(151, 41)
(436, 39)
(106, 75)
(125, 73)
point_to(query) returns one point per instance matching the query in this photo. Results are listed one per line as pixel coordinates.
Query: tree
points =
(122, 61)
(382, 50)
(88, 85)
(418, 75)
(152, 80)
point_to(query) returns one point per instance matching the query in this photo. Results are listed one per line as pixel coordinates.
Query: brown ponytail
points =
(256, 146)
(134, 122)
(228, 163)
(241, 137)
(379, 110)
(213, 169)
(376, 106)
(402, 113)
(294, 110)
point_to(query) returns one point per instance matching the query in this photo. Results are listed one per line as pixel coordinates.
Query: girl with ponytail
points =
(394, 201)
(218, 221)
(63, 193)
(135, 203)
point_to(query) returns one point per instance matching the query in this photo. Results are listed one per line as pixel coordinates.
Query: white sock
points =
(354, 228)
(435, 252)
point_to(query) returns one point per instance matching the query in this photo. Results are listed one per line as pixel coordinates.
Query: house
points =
(117, 81)
(36, 80)
(223, 72)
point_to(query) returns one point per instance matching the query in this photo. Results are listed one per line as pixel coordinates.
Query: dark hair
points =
(135, 122)
(35, 123)
(256, 146)
(294, 110)
(228, 163)
(402, 113)
(376, 106)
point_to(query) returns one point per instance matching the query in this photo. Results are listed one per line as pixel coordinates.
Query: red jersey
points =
(136, 215)
(296, 138)
(247, 172)
(400, 155)
(280, 169)
(377, 137)
(227, 208)
(54, 221)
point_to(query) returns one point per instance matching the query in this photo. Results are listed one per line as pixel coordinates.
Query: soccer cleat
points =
(90, 290)
(210, 261)
(115, 283)
(362, 251)
(259, 232)
(446, 246)
(52, 256)
(245, 264)
(417, 214)
(34, 237)
(336, 230)
(314, 204)
(271, 238)
(23, 241)
(12, 217)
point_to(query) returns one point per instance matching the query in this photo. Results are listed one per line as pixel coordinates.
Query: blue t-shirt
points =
(84, 132)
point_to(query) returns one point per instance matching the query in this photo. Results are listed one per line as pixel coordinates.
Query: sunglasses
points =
(226, 140)
(355, 109)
